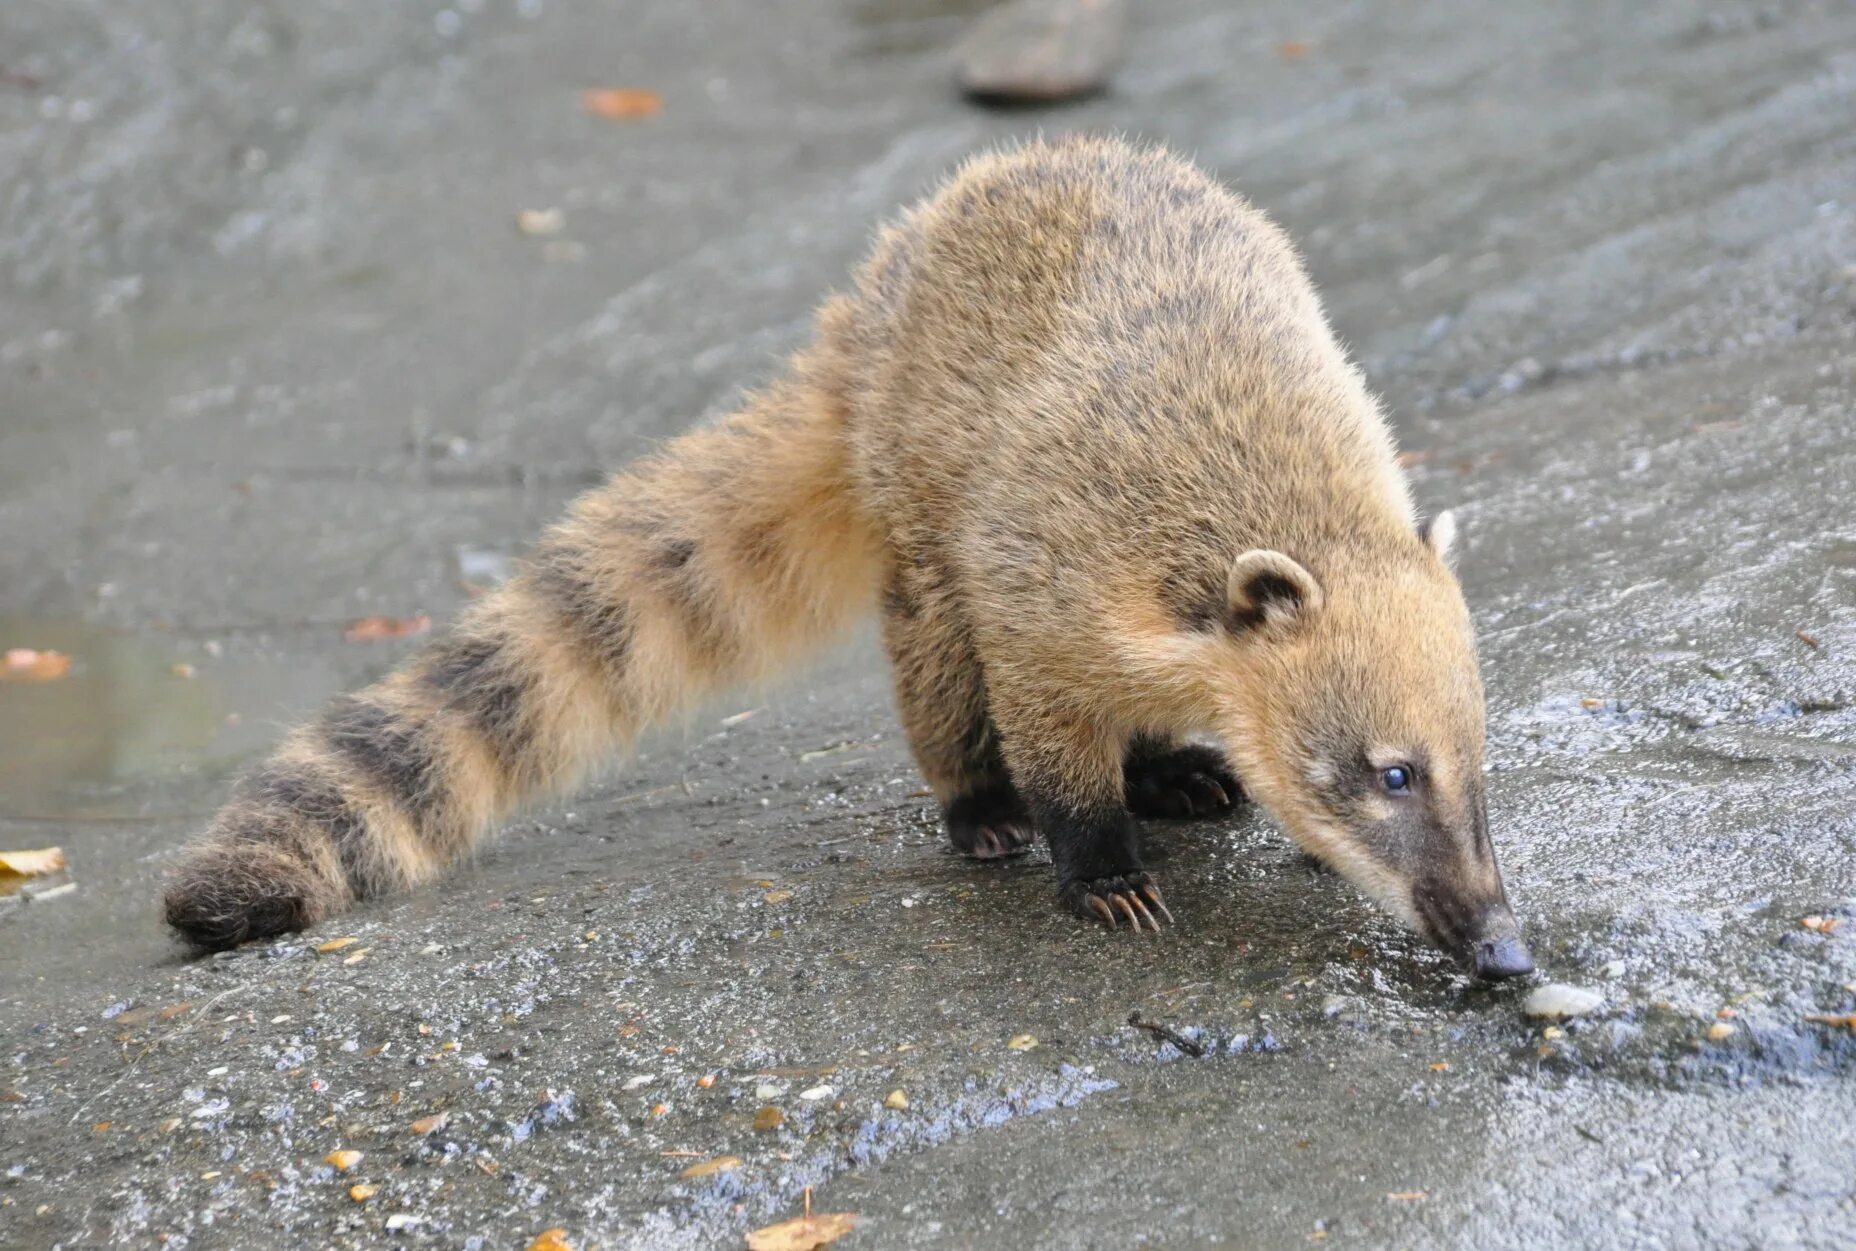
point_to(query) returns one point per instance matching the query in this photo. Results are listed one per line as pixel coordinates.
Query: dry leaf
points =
(1823, 925)
(23, 864)
(430, 1124)
(803, 1233)
(175, 1009)
(551, 1240)
(1809, 640)
(336, 944)
(370, 629)
(1406, 1196)
(1021, 1042)
(181, 669)
(621, 103)
(769, 1118)
(1442, 1066)
(343, 1160)
(1292, 50)
(1823, 1018)
(24, 664)
(777, 896)
(721, 1164)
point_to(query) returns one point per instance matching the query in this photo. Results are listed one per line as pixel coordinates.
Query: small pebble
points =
(402, 1220)
(1720, 1031)
(767, 1090)
(1613, 969)
(1041, 51)
(815, 1093)
(541, 223)
(1021, 1042)
(1557, 1001)
(343, 1160)
(642, 1079)
(898, 1101)
(361, 1192)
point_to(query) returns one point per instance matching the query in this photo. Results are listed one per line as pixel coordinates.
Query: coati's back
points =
(1103, 338)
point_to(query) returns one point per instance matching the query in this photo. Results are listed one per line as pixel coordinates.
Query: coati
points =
(1081, 434)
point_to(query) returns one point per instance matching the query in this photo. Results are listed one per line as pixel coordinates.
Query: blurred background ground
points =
(274, 356)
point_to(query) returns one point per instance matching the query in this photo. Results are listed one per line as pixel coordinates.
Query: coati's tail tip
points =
(227, 894)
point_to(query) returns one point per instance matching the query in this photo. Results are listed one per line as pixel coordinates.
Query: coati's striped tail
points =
(715, 562)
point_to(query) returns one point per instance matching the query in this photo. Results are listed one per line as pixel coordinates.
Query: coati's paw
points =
(990, 824)
(1188, 781)
(1111, 900)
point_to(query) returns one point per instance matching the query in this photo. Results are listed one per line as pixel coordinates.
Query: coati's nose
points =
(1498, 958)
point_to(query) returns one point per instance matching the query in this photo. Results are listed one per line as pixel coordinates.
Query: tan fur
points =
(1066, 397)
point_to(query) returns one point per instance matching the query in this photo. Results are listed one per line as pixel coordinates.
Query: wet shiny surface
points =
(278, 359)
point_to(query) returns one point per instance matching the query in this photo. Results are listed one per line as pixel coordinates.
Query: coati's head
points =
(1355, 715)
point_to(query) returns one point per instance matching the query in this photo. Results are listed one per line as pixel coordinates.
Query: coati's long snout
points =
(1355, 715)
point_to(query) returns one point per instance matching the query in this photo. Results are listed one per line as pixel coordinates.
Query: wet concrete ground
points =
(274, 357)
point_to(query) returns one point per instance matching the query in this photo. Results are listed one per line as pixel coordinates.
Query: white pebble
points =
(767, 1090)
(1557, 1001)
(816, 1093)
(643, 1079)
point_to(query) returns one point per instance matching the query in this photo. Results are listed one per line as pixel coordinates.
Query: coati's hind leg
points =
(941, 694)
(1163, 778)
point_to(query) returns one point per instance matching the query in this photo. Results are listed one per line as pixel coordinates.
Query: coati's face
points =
(1356, 719)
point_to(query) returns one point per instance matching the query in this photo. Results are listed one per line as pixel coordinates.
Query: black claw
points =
(1109, 900)
(1153, 894)
(1180, 782)
(989, 824)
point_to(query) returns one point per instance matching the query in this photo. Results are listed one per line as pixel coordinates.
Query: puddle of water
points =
(123, 711)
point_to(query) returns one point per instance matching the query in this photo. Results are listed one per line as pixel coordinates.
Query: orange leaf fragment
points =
(1823, 925)
(803, 1233)
(1292, 50)
(707, 1168)
(430, 1124)
(621, 103)
(551, 1240)
(24, 664)
(36, 863)
(370, 629)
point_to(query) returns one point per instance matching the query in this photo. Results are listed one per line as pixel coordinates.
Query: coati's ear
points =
(1270, 591)
(1439, 534)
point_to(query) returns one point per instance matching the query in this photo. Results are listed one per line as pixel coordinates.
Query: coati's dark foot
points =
(990, 824)
(1188, 781)
(1112, 900)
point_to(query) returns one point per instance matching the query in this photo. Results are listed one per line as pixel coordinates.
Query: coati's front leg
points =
(1068, 766)
(1163, 778)
(941, 696)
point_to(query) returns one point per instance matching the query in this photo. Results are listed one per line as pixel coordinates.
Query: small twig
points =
(1167, 1034)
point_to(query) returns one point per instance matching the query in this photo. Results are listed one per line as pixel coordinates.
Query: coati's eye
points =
(1396, 779)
